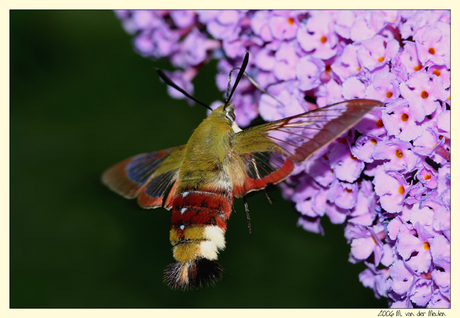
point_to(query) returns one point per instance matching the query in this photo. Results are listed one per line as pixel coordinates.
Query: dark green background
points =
(82, 100)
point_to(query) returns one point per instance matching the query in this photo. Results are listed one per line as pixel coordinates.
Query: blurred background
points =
(82, 100)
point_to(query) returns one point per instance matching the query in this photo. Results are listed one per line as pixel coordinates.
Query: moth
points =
(199, 181)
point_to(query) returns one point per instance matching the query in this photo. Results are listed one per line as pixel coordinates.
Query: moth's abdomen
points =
(198, 225)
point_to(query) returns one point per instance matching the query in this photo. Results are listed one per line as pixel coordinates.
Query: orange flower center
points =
(379, 123)
(426, 246)
(404, 117)
(427, 176)
(424, 94)
(401, 190)
(389, 94)
(290, 21)
(381, 59)
(437, 72)
(418, 68)
(373, 141)
(399, 154)
(323, 39)
(431, 50)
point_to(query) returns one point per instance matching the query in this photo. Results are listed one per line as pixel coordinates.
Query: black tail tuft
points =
(194, 274)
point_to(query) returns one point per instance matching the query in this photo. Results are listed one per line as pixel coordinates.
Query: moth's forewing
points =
(303, 135)
(146, 176)
(269, 150)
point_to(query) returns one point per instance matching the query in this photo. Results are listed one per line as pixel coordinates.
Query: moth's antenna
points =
(238, 78)
(169, 82)
(242, 68)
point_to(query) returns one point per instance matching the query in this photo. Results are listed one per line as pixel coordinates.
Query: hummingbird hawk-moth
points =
(199, 181)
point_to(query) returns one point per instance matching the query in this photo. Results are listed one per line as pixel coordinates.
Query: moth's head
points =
(230, 112)
(226, 114)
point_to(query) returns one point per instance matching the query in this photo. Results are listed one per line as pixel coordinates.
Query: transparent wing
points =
(269, 150)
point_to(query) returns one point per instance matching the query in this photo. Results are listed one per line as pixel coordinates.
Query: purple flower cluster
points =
(389, 181)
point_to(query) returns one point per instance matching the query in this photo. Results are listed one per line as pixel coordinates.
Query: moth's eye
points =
(230, 115)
